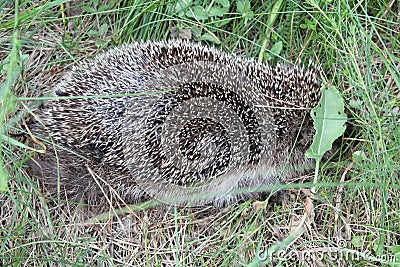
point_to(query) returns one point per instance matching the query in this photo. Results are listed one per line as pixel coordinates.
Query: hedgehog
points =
(176, 121)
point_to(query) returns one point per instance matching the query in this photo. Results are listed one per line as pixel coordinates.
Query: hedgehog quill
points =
(176, 121)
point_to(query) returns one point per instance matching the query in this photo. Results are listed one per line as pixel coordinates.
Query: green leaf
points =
(196, 31)
(182, 5)
(209, 37)
(224, 3)
(3, 180)
(243, 6)
(329, 122)
(397, 259)
(359, 156)
(218, 11)
(277, 48)
(89, 9)
(197, 12)
(394, 249)
(378, 245)
(303, 26)
(103, 7)
(248, 14)
(222, 22)
(103, 29)
(356, 104)
(357, 241)
(93, 33)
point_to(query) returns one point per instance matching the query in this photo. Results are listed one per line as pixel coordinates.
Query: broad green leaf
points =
(182, 5)
(394, 249)
(93, 33)
(209, 37)
(356, 104)
(277, 48)
(197, 12)
(218, 11)
(103, 29)
(358, 241)
(243, 6)
(249, 14)
(196, 31)
(329, 122)
(224, 3)
(397, 258)
(103, 8)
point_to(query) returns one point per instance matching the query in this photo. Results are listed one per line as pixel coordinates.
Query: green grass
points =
(356, 43)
